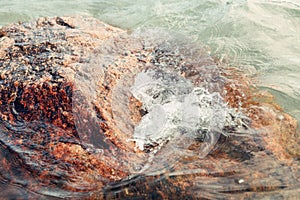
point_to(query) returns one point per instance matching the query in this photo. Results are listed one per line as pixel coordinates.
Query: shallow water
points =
(260, 37)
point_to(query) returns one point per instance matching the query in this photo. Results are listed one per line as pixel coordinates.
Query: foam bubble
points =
(176, 109)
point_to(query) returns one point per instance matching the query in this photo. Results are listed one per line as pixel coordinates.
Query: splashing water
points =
(175, 109)
(176, 112)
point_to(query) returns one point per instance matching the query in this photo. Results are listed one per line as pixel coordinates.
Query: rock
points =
(68, 116)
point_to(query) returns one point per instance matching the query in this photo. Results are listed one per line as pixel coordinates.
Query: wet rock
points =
(68, 119)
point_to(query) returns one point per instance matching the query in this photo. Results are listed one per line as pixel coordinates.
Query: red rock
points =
(52, 125)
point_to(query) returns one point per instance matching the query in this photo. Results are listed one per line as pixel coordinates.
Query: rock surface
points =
(67, 119)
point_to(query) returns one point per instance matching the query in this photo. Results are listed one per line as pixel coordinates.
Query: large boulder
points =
(92, 111)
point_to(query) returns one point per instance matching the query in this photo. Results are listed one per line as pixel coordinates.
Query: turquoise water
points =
(259, 36)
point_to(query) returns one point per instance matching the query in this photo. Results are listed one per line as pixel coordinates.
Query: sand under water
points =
(91, 111)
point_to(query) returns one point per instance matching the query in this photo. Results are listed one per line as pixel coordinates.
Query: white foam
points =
(176, 109)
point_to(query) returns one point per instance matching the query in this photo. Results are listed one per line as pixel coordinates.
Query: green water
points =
(260, 36)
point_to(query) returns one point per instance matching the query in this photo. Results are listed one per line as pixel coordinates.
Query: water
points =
(259, 37)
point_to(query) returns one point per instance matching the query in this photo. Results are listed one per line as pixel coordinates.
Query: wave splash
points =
(176, 110)
(180, 92)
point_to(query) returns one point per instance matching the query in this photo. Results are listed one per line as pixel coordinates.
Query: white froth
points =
(176, 109)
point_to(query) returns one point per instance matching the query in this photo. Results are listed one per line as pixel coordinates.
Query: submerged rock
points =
(91, 111)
